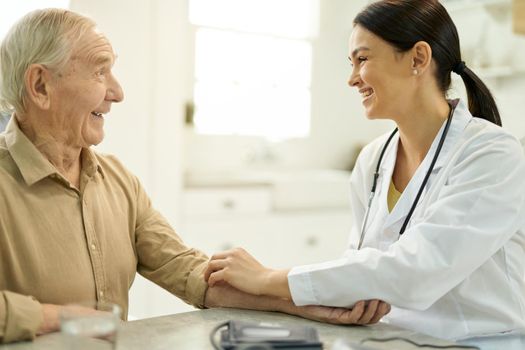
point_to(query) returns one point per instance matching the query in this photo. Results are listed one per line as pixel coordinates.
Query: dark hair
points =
(402, 23)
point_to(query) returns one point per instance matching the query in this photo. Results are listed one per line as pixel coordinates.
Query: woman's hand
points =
(242, 271)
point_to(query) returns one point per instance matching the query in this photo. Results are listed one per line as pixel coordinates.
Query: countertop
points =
(191, 330)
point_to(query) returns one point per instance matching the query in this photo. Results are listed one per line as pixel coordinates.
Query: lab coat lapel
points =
(460, 119)
(387, 169)
(374, 236)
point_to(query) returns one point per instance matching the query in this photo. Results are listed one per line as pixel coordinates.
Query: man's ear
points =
(37, 83)
(421, 57)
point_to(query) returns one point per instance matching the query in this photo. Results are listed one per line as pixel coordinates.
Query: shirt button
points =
(101, 293)
(94, 247)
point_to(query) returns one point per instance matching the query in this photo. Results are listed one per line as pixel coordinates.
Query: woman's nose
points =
(354, 79)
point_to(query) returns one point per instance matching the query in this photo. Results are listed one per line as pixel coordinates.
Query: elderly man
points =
(75, 225)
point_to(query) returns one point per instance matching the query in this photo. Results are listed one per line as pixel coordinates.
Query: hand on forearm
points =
(242, 271)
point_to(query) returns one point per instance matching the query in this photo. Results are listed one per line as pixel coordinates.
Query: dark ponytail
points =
(480, 101)
(402, 23)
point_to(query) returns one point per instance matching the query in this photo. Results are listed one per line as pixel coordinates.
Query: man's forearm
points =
(226, 296)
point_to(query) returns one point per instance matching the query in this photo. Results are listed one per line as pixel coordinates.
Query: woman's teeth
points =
(96, 114)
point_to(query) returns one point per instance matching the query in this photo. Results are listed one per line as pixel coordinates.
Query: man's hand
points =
(363, 312)
(51, 316)
(51, 319)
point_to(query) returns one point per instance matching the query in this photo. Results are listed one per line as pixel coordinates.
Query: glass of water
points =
(90, 325)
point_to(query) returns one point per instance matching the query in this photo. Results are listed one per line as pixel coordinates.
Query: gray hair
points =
(43, 37)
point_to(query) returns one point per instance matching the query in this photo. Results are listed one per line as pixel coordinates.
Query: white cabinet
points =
(209, 201)
(221, 218)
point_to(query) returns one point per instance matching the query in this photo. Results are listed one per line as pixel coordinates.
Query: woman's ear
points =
(421, 57)
(37, 80)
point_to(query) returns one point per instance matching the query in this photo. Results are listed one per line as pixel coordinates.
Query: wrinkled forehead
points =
(93, 47)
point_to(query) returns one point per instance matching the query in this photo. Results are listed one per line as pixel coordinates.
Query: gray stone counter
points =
(191, 331)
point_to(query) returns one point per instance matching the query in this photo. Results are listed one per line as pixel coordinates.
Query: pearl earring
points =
(414, 72)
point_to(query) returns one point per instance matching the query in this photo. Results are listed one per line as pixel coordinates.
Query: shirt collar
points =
(90, 163)
(32, 164)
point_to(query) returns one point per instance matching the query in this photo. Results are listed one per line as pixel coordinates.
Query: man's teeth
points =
(366, 93)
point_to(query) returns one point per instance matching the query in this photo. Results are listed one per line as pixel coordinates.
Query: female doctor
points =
(438, 204)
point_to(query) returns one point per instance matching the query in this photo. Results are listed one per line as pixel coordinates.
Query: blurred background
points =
(239, 122)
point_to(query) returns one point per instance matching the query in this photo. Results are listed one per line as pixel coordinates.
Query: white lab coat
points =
(458, 270)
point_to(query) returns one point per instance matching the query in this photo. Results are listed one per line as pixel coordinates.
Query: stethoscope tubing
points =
(421, 188)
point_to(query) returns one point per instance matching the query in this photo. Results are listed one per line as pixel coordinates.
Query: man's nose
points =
(115, 93)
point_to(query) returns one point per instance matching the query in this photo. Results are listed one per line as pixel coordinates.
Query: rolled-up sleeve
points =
(164, 259)
(20, 317)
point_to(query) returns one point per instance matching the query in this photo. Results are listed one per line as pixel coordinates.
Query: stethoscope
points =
(423, 184)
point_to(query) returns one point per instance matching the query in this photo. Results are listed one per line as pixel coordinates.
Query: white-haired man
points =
(75, 225)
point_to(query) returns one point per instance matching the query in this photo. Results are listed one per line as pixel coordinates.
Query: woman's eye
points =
(359, 60)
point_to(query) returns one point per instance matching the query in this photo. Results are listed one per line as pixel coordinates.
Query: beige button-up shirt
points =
(61, 245)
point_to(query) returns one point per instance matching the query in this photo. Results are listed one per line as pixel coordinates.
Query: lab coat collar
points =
(460, 119)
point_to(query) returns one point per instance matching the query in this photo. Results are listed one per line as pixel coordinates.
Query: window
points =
(12, 11)
(253, 62)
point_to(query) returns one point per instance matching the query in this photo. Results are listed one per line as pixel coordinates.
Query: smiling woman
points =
(446, 252)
